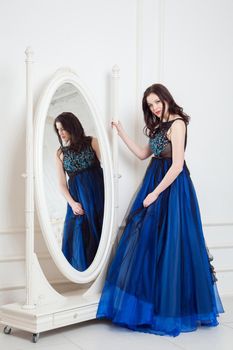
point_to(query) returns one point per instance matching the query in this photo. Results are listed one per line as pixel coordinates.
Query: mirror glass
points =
(73, 176)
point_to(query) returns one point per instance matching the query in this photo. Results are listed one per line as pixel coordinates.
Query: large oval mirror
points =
(73, 177)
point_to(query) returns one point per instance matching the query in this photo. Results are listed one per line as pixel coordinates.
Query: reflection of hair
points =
(151, 120)
(71, 124)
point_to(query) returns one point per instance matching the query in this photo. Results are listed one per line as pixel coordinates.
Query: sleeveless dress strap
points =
(171, 121)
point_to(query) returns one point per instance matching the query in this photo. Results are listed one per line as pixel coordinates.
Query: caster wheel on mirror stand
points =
(35, 337)
(7, 330)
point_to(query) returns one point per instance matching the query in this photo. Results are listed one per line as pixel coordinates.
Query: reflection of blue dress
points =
(160, 279)
(82, 233)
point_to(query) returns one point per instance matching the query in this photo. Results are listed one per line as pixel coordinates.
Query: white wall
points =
(184, 44)
(197, 55)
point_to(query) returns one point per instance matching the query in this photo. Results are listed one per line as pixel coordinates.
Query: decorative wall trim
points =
(227, 269)
(12, 258)
(16, 230)
(41, 256)
(8, 287)
(226, 295)
(210, 224)
(138, 90)
(161, 19)
(139, 50)
(12, 230)
(221, 246)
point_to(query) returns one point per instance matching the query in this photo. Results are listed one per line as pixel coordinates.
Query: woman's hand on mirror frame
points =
(118, 126)
(77, 208)
(138, 151)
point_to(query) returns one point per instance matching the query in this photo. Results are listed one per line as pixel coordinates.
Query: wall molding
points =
(138, 83)
(15, 230)
(221, 246)
(161, 20)
(13, 258)
(12, 230)
(224, 270)
(210, 224)
(8, 287)
(22, 230)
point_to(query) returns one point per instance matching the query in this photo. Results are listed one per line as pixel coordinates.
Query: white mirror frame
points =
(62, 76)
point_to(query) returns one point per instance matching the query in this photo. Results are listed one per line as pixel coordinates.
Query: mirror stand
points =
(44, 308)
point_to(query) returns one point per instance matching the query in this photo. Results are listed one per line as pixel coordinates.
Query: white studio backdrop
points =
(186, 45)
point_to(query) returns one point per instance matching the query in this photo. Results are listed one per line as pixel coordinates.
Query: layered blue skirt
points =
(160, 279)
(81, 234)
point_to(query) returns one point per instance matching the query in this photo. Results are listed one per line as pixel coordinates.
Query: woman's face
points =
(64, 135)
(156, 106)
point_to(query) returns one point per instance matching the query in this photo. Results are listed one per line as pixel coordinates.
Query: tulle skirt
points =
(81, 234)
(160, 279)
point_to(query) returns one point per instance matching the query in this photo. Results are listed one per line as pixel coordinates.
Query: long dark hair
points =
(72, 125)
(152, 121)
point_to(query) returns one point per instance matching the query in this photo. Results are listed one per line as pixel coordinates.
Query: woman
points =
(78, 157)
(160, 280)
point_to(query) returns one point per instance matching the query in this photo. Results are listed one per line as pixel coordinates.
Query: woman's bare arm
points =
(138, 151)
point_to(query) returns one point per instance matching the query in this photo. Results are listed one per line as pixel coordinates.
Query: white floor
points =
(102, 335)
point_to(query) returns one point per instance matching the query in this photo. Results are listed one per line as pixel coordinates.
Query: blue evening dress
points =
(160, 280)
(81, 233)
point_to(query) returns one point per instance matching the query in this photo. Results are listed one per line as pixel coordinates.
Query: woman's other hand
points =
(77, 209)
(150, 198)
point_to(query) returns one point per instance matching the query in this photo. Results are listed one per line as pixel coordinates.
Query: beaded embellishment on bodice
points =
(74, 162)
(159, 142)
(160, 145)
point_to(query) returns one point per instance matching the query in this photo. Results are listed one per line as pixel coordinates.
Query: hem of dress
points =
(126, 310)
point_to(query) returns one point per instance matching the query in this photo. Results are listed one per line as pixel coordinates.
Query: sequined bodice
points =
(75, 162)
(160, 144)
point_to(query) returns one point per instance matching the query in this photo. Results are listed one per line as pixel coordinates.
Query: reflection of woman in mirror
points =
(160, 280)
(78, 157)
